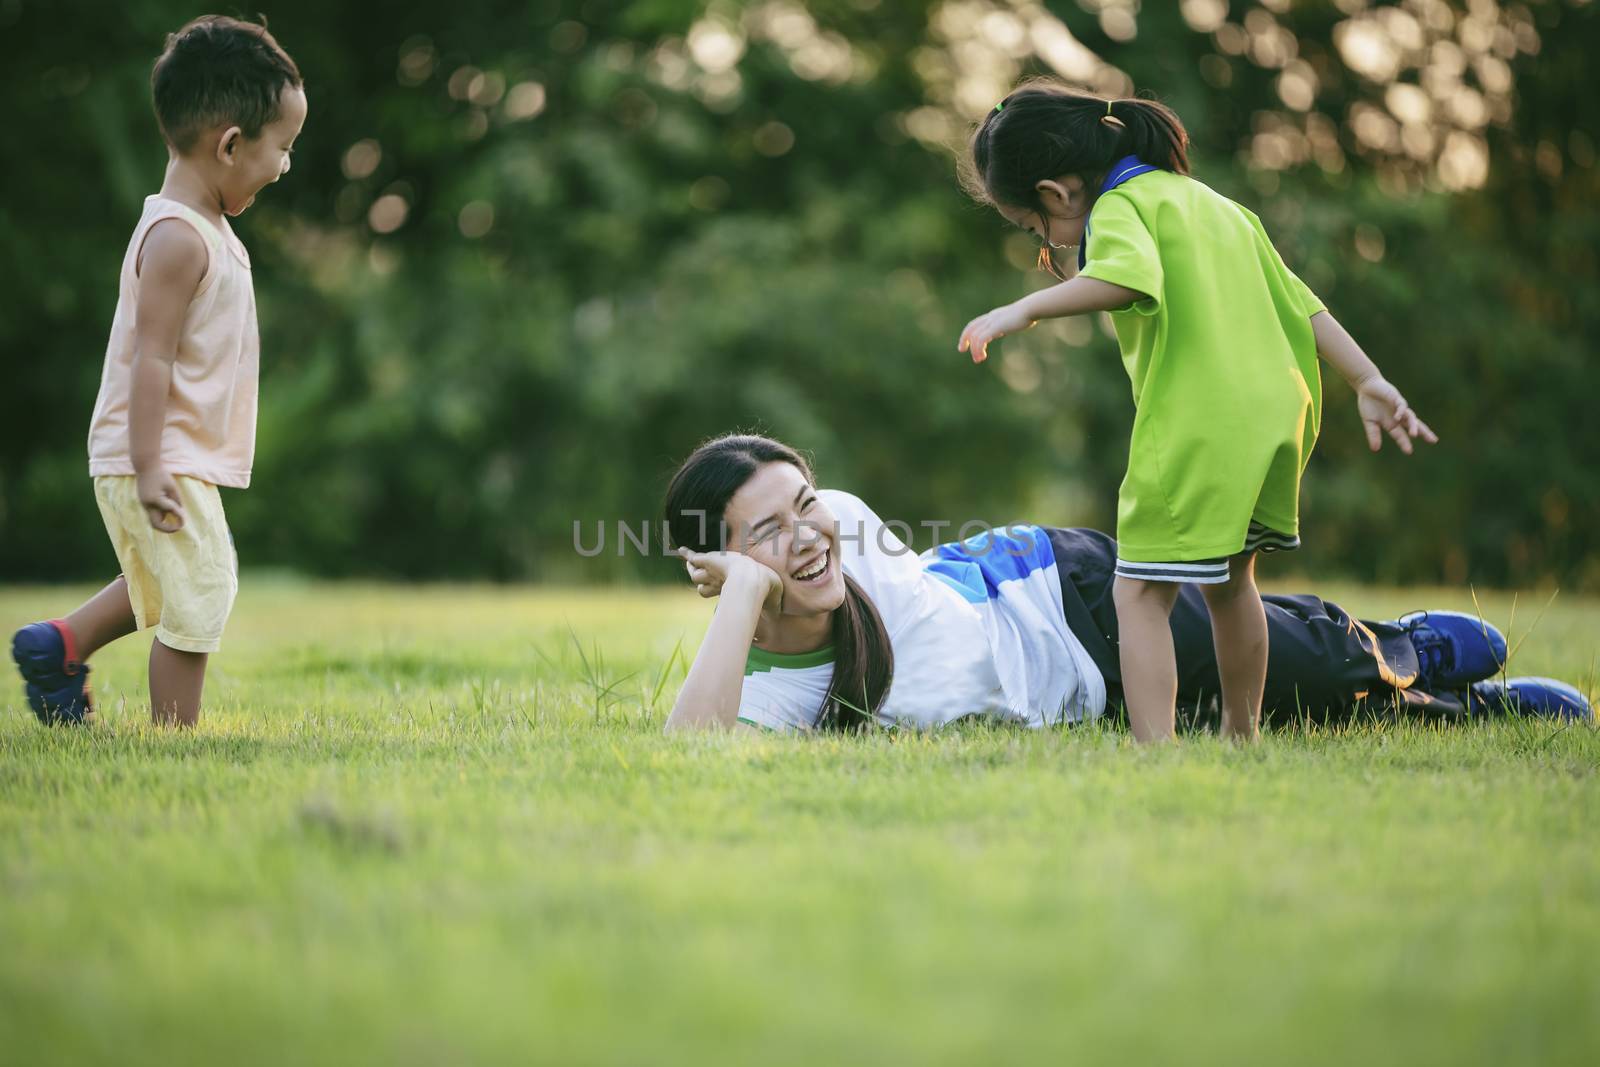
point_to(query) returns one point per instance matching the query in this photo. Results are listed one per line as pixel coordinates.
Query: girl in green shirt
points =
(1220, 341)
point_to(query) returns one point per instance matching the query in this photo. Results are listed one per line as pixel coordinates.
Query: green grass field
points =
(416, 826)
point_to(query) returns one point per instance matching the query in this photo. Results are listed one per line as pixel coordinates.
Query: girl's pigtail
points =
(1153, 132)
(1044, 130)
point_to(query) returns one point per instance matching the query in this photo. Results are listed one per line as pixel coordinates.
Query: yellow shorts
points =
(182, 583)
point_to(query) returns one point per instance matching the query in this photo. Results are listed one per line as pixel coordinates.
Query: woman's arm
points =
(710, 694)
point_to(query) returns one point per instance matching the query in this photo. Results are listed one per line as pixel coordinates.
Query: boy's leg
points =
(176, 681)
(1239, 632)
(102, 618)
(200, 579)
(1149, 665)
(51, 655)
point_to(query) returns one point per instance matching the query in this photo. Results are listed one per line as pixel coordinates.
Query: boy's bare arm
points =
(1383, 410)
(171, 264)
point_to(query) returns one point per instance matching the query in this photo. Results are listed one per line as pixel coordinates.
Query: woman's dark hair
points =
(1044, 130)
(219, 70)
(863, 663)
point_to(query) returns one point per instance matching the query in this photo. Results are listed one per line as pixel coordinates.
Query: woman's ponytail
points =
(863, 663)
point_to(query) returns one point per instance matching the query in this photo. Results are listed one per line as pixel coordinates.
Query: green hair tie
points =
(1000, 105)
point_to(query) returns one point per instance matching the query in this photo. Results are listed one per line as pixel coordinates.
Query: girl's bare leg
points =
(1239, 631)
(1149, 665)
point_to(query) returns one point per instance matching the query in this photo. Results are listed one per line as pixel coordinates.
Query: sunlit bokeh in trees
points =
(530, 253)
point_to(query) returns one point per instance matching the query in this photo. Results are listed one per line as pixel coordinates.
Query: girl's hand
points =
(985, 328)
(1384, 411)
(712, 572)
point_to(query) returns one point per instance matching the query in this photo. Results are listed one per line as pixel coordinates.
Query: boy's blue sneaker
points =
(1454, 649)
(57, 682)
(1544, 697)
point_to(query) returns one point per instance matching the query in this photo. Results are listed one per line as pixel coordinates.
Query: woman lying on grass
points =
(826, 620)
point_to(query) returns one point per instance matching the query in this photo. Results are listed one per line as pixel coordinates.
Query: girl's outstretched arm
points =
(710, 694)
(1383, 410)
(1078, 296)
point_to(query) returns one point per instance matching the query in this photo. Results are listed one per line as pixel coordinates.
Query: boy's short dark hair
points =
(218, 69)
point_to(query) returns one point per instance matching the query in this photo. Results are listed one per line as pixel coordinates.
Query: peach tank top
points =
(210, 430)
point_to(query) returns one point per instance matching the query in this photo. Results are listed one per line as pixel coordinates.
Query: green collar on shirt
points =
(759, 659)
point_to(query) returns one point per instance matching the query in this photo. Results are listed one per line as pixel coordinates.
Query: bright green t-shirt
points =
(1223, 366)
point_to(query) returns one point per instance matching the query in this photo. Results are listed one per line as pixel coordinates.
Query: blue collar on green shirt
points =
(1123, 169)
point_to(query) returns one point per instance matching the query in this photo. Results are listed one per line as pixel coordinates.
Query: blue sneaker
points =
(57, 682)
(1454, 649)
(1543, 697)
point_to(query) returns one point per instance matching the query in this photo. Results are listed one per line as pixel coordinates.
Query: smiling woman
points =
(828, 620)
(777, 568)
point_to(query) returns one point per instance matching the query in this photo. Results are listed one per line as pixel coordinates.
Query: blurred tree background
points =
(531, 253)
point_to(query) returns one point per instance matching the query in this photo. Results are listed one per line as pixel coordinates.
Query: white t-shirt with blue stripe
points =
(977, 628)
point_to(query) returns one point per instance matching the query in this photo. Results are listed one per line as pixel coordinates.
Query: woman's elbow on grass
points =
(698, 710)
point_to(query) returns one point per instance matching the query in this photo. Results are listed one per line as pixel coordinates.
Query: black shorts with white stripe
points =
(1259, 538)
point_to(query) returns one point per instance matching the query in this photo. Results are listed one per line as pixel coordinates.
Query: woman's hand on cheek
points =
(707, 582)
(727, 573)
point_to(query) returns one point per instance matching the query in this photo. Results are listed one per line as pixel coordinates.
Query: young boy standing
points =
(176, 414)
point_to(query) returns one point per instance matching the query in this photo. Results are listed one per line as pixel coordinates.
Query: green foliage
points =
(645, 257)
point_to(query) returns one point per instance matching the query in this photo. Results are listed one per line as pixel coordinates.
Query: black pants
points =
(1321, 663)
